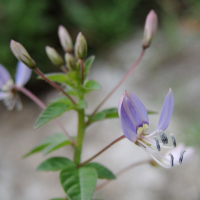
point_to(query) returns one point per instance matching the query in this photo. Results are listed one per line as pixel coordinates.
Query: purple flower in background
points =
(134, 121)
(8, 93)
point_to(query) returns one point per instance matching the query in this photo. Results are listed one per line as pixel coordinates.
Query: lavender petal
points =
(4, 78)
(22, 75)
(166, 112)
(138, 107)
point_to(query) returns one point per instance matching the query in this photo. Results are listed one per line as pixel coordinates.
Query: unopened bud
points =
(21, 54)
(53, 55)
(71, 63)
(149, 29)
(65, 39)
(80, 46)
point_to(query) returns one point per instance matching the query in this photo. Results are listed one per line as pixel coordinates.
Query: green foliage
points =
(54, 110)
(55, 164)
(88, 65)
(91, 85)
(103, 172)
(50, 144)
(78, 183)
(104, 114)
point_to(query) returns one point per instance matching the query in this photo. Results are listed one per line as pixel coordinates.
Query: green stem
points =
(80, 137)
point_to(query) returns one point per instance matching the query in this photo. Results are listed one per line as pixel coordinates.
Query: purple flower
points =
(8, 93)
(134, 122)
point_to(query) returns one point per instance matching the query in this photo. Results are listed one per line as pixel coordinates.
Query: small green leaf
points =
(37, 149)
(50, 144)
(55, 164)
(81, 104)
(54, 110)
(103, 172)
(151, 112)
(79, 184)
(88, 64)
(57, 77)
(91, 85)
(104, 114)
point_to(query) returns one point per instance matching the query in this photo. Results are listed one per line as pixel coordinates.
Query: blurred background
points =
(114, 31)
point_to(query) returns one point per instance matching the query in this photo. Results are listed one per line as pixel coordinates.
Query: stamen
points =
(157, 143)
(161, 164)
(181, 156)
(173, 139)
(163, 137)
(172, 159)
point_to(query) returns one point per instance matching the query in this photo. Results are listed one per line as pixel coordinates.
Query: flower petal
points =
(5, 79)
(22, 75)
(4, 95)
(166, 112)
(138, 107)
(127, 126)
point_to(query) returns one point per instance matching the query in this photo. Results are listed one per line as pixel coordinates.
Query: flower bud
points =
(21, 54)
(53, 55)
(65, 39)
(71, 63)
(80, 46)
(149, 29)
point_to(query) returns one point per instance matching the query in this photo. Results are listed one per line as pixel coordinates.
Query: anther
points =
(181, 156)
(173, 139)
(157, 143)
(163, 137)
(172, 159)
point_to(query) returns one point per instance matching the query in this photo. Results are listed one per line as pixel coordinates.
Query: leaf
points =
(54, 110)
(91, 85)
(55, 164)
(103, 172)
(151, 112)
(50, 144)
(81, 104)
(57, 77)
(79, 184)
(104, 114)
(88, 64)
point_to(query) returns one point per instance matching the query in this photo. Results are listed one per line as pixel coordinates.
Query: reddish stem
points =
(122, 172)
(54, 84)
(100, 152)
(43, 106)
(122, 80)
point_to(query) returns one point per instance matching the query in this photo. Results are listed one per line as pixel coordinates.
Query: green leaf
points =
(104, 114)
(88, 64)
(79, 184)
(103, 172)
(54, 110)
(81, 104)
(151, 112)
(91, 85)
(50, 144)
(55, 164)
(37, 149)
(57, 77)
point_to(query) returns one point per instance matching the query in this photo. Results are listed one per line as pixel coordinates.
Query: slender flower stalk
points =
(54, 85)
(116, 87)
(123, 171)
(100, 152)
(43, 106)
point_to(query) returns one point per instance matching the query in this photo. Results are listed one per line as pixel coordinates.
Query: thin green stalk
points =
(80, 136)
